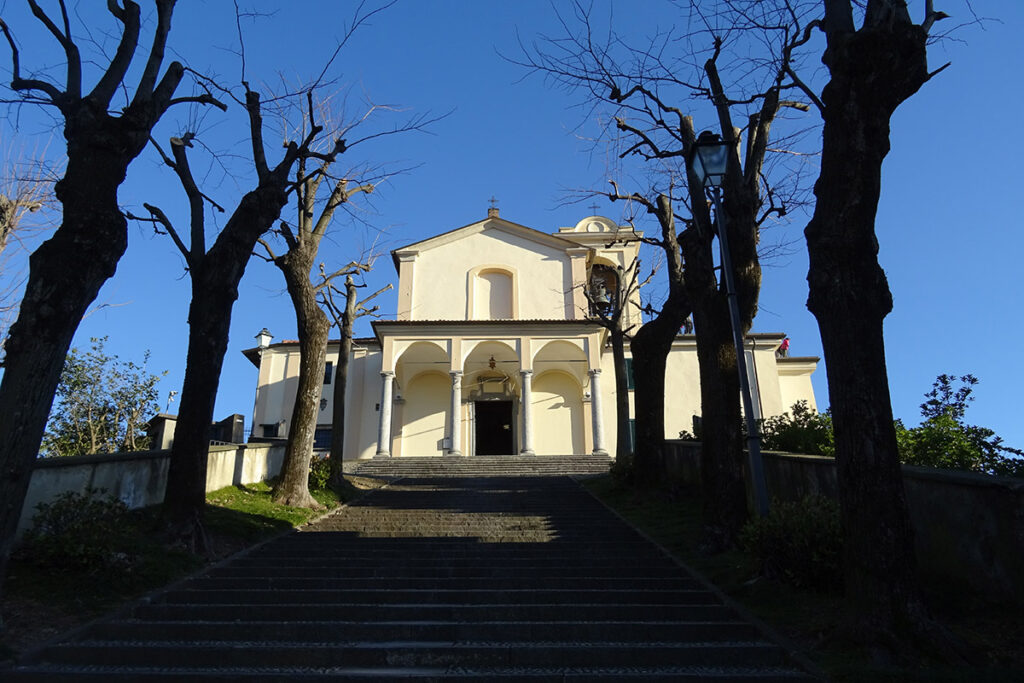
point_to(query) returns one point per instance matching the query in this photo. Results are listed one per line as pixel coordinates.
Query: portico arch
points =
(558, 414)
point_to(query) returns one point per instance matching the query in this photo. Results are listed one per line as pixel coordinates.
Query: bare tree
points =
(215, 274)
(651, 96)
(68, 269)
(872, 70)
(609, 294)
(303, 244)
(344, 319)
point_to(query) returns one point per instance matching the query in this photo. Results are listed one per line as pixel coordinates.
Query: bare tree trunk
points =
(337, 477)
(66, 272)
(873, 70)
(215, 279)
(725, 504)
(622, 448)
(650, 347)
(313, 329)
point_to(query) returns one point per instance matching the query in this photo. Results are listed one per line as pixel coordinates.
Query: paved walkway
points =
(509, 578)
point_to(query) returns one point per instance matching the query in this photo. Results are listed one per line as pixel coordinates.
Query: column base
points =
(381, 454)
(527, 451)
(455, 454)
(600, 451)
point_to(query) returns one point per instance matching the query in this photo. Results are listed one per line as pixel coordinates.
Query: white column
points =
(595, 411)
(455, 437)
(527, 410)
(384, 430)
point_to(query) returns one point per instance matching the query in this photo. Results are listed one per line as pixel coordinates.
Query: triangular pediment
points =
(489, 224)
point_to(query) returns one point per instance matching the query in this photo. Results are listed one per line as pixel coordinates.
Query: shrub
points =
(80, 531)
(945, 440)
(319, 473)
(802, 431)
(798, 543)
(622, 471)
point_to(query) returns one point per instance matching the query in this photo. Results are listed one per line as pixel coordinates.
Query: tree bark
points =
(67, 271)
(725, 502)
(215, 281)
(313, 328)
(650, 347)
(872, 70)
(617, 336)
(337, 476)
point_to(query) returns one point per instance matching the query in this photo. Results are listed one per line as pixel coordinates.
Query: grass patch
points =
(672, 517)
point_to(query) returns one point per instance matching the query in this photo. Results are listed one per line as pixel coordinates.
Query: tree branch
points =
(129, 17)
(74, 66)
(159, 217)
(56, 96)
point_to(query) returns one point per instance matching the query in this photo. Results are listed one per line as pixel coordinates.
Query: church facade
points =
(495, 350)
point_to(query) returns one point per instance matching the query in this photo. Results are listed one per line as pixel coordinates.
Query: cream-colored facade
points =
(493, 327)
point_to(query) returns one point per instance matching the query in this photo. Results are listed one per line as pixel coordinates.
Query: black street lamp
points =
(708, 160)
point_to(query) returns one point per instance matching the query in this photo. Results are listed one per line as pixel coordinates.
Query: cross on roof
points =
(594, 207)
(493, 202)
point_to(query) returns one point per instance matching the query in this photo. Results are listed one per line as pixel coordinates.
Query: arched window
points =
(492, 295)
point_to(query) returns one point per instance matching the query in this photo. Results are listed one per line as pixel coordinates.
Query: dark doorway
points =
(494, 428)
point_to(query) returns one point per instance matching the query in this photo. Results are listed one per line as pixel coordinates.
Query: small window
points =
(629, 374)
(322, 439)
(328, 370)
(270, 431)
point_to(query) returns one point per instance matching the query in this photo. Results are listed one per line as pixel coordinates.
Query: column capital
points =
(455, 373)
(593, 372)
(387, 373)
(526, 372)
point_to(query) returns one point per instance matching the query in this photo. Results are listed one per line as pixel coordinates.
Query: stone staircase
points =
(479, 578)
(484, 466)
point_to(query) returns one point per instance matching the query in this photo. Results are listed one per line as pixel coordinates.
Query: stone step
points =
(417, 572)
(332, 631)
(573, 594)
(341, 580)
(387, 596)
(531, 674)
(215, 654)
(484, 466)
(435, 612)
(368, 560)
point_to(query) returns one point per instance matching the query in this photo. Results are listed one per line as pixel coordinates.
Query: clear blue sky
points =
(949, 222)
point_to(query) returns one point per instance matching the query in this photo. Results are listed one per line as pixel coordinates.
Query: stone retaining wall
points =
(968, 527)
(139, 479)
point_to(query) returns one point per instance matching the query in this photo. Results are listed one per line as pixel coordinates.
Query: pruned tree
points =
(296, 263)
(872, 69)
(344, 319)
(652, 98)
(215, 274)
(652, 342)
(609, 294)
(302, 245)
(68, 269)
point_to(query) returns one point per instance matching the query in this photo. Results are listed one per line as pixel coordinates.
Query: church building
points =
(495, 351)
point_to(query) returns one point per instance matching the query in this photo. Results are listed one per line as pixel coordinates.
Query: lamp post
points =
(708, 159)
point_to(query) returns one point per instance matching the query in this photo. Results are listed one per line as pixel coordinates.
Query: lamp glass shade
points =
(710, 161)
(263, 338)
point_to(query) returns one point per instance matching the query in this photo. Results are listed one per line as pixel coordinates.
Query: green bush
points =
(945, 440)
(798, 543)
(81, 531)
(319, 473)
(622, 471)
(802, 431)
